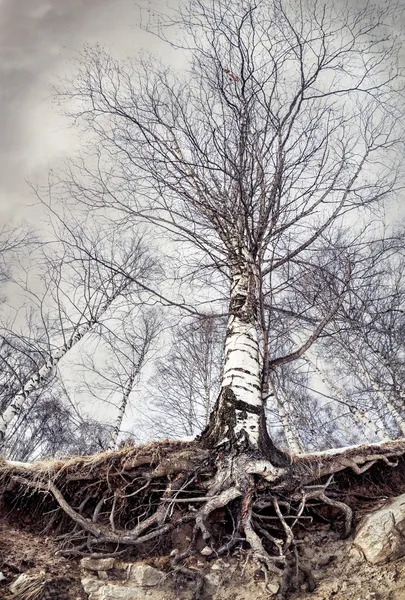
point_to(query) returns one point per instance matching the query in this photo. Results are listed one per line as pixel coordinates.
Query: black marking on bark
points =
(245, 407)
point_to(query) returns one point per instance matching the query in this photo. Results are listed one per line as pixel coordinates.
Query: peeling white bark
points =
(242, 368)
(35, 381)
(121, 412)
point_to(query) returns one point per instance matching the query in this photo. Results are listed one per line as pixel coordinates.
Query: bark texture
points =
(238, 418)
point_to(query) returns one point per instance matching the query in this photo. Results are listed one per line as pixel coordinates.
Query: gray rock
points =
(119, 592)
(380, 536)
(18, 582)
(273, 588)
(214, 579)
(97, 564)
(91, 585)
(145, 575)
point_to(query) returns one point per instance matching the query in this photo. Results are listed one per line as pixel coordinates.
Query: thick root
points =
(127, 501)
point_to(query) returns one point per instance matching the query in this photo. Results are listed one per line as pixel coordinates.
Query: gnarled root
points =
(132, 499)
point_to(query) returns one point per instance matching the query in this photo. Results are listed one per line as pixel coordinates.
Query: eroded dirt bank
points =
(57, 549)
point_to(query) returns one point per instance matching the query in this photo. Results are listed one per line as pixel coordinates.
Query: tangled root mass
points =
(137, 500)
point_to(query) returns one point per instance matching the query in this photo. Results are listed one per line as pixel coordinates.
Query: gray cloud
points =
(38, 39)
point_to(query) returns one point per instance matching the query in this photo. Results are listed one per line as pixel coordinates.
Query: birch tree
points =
(283, 124)
(127, 344)
(76, 294)
(283, 128)
(186, 381)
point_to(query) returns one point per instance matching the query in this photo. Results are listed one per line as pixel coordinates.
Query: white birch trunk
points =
(35, 381)
(238, 416)
(241, 367)
(291, 435)
(384, 399)
(359, 417)
(121, 412)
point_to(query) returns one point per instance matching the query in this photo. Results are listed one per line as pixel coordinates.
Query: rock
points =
(2, 576)
(273, 588)
(91, 585)
(206, 551)
(380, 535)
(119, 592)
(214, 579)
(102, 575)
(145, 575)
(97, 564)
(19, 582)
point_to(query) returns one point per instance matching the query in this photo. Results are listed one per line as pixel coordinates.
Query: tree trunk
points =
(123, 406)
(238, 417)
(290, 432)
(35, 381)
(359, 416)
(398, 419)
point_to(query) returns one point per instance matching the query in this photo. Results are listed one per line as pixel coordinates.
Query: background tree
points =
(186, 381)
(75, 295)
(112, 373)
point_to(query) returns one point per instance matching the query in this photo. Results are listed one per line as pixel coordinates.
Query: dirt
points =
(24, 552)
(340, 571)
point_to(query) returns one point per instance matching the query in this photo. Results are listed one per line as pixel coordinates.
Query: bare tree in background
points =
(186, 381)
(75, 294)
(49, 427)
(126, 344)
(14, 239)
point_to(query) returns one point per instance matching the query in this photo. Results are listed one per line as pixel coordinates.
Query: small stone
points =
(343, 587)
(91, 585)
(2, 577)
(145, 575)
(206, 551)
(214, 579)
(102, 575)
(273, 588)
(97, 564)
(18, 582)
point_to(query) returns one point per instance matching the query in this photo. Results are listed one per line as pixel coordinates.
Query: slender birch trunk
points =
(384, 399)
(121, 412)
(44, 373)
(242, 376)
(291, 434)
(359, 417)
(207, 378)
(238, 417)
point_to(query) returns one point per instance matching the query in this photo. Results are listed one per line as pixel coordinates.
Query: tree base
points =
(127, 501)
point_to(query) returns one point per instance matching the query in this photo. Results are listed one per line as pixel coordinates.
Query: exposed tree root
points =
(134, 499)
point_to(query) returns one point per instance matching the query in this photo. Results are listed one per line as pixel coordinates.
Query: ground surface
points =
(153, 495)
(340, 571)
(22, 551)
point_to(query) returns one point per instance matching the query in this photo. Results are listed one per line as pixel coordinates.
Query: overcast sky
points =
(38, 39)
